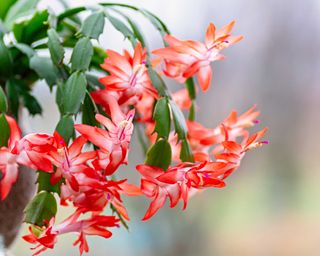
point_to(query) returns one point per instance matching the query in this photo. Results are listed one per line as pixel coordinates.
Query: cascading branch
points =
(116, 94)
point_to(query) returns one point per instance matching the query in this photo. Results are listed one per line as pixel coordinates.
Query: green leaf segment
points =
(22, 64)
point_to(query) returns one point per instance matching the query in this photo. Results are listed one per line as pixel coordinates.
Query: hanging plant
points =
(115, 94)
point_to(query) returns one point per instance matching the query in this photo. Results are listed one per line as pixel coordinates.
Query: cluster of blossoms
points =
(86, 178)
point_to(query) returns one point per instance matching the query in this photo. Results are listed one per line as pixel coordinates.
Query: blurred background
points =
(271, 204)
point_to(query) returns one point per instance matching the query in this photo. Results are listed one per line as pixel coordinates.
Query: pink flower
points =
(183, 59)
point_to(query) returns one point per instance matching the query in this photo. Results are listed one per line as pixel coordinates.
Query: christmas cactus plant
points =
(115, 94)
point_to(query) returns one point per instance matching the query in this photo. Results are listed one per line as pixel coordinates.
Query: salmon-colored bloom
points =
(128, 74)
(206, 141)
(234, 151)
(182, 98)
(183, 59)
(144, 108)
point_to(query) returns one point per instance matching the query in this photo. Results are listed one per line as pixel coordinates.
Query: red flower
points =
(22, 151)
(177, 183)
(69, 160)
(113, 142)
(95, 192)
(95, 225)
(9, 160)
(183, 180)
(183, 59)
(212, 167)
(34, 149)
